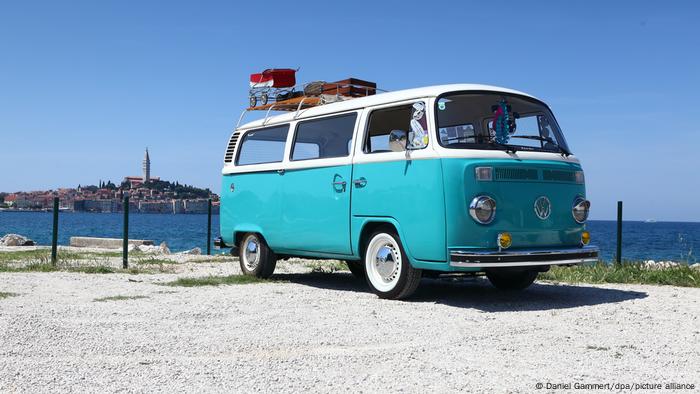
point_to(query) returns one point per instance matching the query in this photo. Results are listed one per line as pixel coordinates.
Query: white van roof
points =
(378, 99)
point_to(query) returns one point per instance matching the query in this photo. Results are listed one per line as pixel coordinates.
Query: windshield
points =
(497, 121)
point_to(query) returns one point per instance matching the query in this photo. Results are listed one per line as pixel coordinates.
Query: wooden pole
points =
(125, 243)
(618, 256)
(54, 236)
(209, 228)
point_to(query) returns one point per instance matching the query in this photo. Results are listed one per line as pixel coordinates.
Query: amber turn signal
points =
(585, 238)
(504, 240)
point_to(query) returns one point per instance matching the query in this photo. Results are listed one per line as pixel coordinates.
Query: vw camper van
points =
(401, 185)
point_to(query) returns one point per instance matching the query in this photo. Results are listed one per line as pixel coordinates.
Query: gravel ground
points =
(324, 332)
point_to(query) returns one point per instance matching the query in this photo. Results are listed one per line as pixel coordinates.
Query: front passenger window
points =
(390, 129)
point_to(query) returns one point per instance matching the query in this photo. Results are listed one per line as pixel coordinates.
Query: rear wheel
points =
(356, 268)
(389, 273)
(511, 280)
(255, 256)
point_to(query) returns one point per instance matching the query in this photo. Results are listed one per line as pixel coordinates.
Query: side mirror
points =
(397, 140)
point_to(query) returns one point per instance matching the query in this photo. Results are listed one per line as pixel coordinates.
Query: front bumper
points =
(523, 258)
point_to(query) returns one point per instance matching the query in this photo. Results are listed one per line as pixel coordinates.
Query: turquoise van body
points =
(291, 224)
(328, 210)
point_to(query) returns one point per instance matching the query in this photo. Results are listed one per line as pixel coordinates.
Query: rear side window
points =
(263, 146)
(324, 138)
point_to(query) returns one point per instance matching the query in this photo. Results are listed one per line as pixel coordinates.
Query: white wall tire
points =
(256, 258)
(388, 271)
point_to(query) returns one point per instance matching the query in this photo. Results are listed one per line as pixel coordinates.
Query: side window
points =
(324, 138)
(390, 129)
(263, 146)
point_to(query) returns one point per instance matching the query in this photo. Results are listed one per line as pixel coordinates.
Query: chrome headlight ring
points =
(482, 209)
(580, 209)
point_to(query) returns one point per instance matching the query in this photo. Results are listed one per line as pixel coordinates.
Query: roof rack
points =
(314, 94)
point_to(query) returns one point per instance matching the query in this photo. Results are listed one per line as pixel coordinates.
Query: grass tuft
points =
(119, 298)
(6, 295)
(326, 266)
(627, 272)
(215, 281)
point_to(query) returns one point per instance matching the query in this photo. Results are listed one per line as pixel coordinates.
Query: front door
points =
(316, 184)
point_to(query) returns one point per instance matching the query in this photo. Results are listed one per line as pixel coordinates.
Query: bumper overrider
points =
(523, 258)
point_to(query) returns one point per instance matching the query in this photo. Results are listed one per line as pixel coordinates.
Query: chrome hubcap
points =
(387, 262)
(252, 253)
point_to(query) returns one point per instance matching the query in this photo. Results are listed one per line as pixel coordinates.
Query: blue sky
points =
(85, 86)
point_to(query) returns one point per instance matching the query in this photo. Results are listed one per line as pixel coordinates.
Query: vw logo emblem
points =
(543, 208)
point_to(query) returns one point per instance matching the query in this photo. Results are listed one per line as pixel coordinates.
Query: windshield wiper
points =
(507, 148)
(563, 151)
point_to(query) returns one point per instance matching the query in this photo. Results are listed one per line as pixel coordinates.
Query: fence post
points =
(125, 243)
(209, 228)
(618, 256)
(54, 236)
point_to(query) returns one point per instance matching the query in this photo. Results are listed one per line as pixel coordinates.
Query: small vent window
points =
(228, 157)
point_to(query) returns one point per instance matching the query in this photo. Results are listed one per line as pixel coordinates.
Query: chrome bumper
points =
(523, 258)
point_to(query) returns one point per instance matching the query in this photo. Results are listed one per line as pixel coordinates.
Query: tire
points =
(256, 258)
(253, 101)
(511, 280)
(388, 271)
(356, 268)
(263, 98)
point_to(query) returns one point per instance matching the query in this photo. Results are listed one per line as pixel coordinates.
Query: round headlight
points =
(483, 209)
(580, 209)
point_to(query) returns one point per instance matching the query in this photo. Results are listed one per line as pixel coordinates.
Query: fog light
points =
(504, 240)
(585, 238)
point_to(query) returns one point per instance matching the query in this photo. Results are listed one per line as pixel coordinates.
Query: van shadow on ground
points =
(477, 293)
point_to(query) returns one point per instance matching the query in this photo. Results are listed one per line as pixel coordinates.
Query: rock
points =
(695, 266)
(195, 251)
(148, 248)
(131, 247)
(658, 265)
(163, 248)
(16, 240)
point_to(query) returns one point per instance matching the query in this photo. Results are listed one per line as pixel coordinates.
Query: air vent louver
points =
(558, 176)
(228, 158)
(520, 174)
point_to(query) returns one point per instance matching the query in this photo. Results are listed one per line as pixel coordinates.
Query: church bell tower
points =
(146, 167)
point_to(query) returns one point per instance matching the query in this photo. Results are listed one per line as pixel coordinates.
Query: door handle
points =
(341, 183)
(360, 182)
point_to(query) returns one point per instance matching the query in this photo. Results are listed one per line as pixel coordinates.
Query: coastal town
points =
(147, 194)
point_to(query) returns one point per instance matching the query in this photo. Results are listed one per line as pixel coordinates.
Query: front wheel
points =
(511, 280)
(389, 273)
(255, 256)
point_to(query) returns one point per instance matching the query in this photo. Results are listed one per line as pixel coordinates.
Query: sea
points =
(677, 241)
